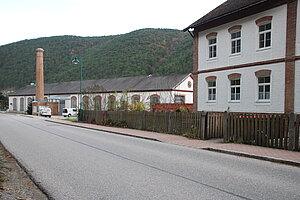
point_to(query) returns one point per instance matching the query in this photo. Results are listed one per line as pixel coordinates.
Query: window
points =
(212, 45)
(236, 42)
(111, 102)
(135, 99)
(22, 104)
(154, 99)
(179, 99)
(212, 90)
(235, 90)
(74, 102)
(265, 35)
(264, 87)
(29, 100)
(85, 103)
(97, 103)
(14, 104)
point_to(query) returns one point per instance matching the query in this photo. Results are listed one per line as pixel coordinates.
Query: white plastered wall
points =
(249, 91)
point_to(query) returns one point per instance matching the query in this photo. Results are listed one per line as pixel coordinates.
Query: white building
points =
(104, 93)
(247, 57)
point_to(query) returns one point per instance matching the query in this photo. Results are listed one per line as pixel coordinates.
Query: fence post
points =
(203, 117)
(292, 132)
(225, 126)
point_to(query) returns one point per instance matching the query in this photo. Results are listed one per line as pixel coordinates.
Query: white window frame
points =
(211, 91)
(263, 96)
(235, 87)
(212, 47)
(235, 39)
(264, 33)
(180, 99)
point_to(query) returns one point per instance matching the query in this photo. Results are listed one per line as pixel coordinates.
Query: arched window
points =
(135, 99)
(22, 104)
(236, 42)
(264, 84)
(235, 86)
(97, 101)
(74, 102)
(111, 102)
(85, 103)
(211, 88)
(212, 44)
(14, 104)
(29, 100)
(154, 99)
(265, 30)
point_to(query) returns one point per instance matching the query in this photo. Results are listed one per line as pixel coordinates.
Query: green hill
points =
(141, 52)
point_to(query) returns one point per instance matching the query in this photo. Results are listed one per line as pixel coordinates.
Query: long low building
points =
(109, 94)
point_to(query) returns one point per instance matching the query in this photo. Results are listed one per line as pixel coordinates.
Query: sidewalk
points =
(257, 152)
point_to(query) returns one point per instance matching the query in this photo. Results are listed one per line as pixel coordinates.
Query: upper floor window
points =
(264, 27)
(236, 34)
(265, 35)
(212, 45)
(264, 84)
(213, 48)
(236, 42)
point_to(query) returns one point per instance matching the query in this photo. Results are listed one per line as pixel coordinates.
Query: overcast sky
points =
(28, 19)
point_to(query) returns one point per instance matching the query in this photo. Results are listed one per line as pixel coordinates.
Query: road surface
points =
(75, 163)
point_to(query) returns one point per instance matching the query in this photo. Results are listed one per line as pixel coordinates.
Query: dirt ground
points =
(15, 184)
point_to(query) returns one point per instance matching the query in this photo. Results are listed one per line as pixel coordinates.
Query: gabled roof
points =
(136, 83)
(232, 10)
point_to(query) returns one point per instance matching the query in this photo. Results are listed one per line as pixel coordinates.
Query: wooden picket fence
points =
(269, 130)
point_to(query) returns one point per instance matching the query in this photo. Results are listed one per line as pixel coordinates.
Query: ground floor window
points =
(74, 102)
(22, 104)
(14, 104)
(264, 88)
(154, 99)
(235, 90)
(212, 90)
(179, 99)
(135, 99)
(111, 102)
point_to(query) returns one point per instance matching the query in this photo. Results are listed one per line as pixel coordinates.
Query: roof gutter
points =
(224, 15)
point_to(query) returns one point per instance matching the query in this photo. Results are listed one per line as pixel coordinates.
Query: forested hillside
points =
(142, 52)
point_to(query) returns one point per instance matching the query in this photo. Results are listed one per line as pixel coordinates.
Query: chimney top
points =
(39, 50)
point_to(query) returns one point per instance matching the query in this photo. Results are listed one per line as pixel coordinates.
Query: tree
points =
(3, 102)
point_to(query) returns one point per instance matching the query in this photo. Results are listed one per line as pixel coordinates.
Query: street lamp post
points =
(78, 60)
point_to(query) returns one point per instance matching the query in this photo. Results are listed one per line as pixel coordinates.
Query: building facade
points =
(110, 94)
(247, 57)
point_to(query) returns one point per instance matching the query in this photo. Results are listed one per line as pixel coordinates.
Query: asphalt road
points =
(75, 163)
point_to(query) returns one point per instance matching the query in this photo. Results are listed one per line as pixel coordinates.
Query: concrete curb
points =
(109, 131)
(247, 155)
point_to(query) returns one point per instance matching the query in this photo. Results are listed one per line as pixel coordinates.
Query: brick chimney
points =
(39, 70)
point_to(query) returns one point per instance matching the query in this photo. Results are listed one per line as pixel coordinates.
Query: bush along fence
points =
(269, 130)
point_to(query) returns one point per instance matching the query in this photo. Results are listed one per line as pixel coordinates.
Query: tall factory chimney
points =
(39, 70)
